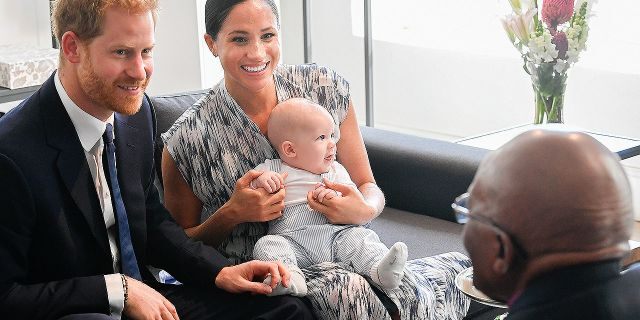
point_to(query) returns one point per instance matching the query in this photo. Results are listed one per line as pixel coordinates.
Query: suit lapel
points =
(72, 163)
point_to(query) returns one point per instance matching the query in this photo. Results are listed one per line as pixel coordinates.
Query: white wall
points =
(25, 22)
(292, 32)
(182, 60)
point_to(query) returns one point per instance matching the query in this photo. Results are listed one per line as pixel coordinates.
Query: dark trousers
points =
(212, 303)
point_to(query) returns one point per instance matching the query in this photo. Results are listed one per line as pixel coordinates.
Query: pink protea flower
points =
(555, 12)
(562, 44)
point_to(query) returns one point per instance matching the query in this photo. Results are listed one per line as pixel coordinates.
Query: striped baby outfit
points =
(303, 237)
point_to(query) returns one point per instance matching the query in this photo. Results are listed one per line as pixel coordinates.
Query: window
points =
(445, 69)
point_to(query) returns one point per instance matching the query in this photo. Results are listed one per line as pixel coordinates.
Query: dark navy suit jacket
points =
(54, 248)
(586, 292)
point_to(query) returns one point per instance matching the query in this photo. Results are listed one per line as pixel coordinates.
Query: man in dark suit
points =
(80, 222)
(549, 219)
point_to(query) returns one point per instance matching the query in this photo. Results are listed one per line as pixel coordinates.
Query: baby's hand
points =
(322, 193)
(270, 181)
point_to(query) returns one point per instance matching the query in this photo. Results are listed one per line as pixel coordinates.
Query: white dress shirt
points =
(90, 130)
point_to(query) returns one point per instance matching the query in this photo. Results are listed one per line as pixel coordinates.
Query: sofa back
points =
(416, 174)
(168, 109)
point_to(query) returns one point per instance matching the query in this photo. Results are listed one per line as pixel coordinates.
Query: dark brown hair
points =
(217, 11)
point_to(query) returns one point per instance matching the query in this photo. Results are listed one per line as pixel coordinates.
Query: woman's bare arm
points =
(185, 207)
(245, 205)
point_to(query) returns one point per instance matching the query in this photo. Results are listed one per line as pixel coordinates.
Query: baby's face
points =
(315, 146)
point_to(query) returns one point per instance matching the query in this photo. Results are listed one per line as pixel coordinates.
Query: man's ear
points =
(504, 254)
(211, 43)
(70, 45)
(288, 149)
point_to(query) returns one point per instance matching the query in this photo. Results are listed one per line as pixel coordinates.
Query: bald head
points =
(292, 116)
(556, 192)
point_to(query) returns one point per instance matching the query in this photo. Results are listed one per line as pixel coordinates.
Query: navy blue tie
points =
(128, 259)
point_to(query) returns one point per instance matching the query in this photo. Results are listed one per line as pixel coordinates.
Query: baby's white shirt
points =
(299, 182)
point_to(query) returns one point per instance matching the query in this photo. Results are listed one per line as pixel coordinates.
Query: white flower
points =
(561, 66)
(520, 25)
(541, 49)
(572, 56)
(535, 44)
(589, 4)
(515, 5)
(577, 39)
(508, 30)
(528, 4)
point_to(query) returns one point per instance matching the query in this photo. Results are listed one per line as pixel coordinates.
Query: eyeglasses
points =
(463, 215)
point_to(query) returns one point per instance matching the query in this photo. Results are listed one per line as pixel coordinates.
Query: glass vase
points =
(548, 89)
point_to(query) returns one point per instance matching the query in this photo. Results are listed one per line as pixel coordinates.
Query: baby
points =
(302, 133)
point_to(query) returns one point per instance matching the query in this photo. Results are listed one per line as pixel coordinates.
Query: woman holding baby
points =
(212, 148)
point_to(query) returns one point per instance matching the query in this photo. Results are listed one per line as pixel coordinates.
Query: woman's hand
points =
(254, 205)
(349, 208)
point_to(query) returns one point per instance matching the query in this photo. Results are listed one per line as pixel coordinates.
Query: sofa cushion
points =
(425, 236)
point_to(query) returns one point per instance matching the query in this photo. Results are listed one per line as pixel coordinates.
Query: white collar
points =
(88, 127)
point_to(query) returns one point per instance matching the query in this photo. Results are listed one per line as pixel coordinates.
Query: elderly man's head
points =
(552, 199)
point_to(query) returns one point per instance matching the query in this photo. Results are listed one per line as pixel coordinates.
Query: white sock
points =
(388, 272)
(297, 284)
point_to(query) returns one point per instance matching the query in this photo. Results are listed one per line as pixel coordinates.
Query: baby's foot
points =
(390, 269)
(297, 285)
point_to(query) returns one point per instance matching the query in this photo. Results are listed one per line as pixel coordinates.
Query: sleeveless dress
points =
(214, 143)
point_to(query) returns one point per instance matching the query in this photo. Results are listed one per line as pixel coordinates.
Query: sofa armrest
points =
(420, 175)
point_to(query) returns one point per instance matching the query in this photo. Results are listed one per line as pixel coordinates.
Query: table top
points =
(625, 147)
(7, 95)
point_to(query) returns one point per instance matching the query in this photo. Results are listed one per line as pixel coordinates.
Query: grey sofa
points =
(420, 178)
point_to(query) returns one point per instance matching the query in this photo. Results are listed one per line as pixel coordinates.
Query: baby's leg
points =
(360, 249)
(277, 248)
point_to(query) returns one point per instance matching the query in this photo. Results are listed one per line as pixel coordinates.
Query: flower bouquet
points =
(550, 41)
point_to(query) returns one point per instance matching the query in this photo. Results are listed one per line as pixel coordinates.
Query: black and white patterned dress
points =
(214, 143)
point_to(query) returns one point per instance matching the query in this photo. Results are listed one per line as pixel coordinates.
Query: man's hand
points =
(146, 303)
(270, 181)
(239, 278)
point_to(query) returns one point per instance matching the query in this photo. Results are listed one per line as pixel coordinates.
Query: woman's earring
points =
(215, 55)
